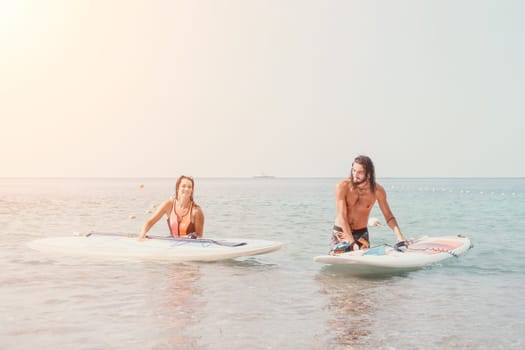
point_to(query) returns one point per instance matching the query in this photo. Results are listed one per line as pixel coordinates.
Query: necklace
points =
(179, 211)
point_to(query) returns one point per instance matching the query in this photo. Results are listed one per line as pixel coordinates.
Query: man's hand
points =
(341, 237)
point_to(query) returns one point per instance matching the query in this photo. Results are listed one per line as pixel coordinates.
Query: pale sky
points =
(239, 87)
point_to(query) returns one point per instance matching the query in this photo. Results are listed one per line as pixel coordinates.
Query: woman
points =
(185, 217)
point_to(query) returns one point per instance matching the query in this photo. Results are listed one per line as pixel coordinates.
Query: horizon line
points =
(258, 178)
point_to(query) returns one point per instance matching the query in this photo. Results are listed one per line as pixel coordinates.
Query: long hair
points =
(370, 172)
(177, 185)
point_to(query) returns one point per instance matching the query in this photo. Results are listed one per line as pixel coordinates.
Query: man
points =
(355, 198)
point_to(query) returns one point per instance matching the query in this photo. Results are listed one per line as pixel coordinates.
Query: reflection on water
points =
(181, 300)
(250, 262)
(353, 301)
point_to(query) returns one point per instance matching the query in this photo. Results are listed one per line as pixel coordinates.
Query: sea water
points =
(281, 300)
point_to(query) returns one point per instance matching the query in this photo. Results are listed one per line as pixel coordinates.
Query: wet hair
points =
(370, 172)
(177, 185)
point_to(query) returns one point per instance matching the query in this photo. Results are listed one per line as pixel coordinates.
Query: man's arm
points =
(387, 213)
(342, 211)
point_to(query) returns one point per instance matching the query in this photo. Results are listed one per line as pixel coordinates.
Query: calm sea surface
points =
(281, 300)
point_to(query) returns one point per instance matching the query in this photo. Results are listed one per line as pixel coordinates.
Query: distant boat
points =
(263, 176)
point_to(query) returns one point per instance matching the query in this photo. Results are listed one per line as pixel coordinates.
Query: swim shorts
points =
(360, 237)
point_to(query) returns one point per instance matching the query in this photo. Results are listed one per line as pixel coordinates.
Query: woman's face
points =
(185, 188)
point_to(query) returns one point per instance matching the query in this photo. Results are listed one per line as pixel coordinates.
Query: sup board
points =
(419, 253)
(156, 248)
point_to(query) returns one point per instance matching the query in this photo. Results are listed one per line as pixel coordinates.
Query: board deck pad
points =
(419, 253)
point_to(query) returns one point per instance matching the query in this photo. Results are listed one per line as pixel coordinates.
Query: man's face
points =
(358, 174)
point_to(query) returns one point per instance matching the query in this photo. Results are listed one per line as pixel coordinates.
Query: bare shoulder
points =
(343, 185)
(197, 211)
(166, 205)
(380, 191)
(341, 189)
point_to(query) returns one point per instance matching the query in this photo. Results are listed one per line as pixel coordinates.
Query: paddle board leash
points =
(181, 240)
(116, 234)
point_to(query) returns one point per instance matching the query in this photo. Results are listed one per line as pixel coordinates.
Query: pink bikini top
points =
(173, 222)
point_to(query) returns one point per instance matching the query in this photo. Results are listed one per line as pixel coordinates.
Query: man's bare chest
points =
(356, 200)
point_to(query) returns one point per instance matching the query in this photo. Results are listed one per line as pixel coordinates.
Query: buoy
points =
(141, 185)
(374, 222)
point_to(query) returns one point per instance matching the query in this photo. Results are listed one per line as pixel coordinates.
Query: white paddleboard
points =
(420, 252)
(161, 248)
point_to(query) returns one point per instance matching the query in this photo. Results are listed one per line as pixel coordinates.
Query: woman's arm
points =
(163, 209)
(198, 219)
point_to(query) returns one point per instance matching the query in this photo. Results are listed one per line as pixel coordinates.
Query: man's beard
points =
(356, 183)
